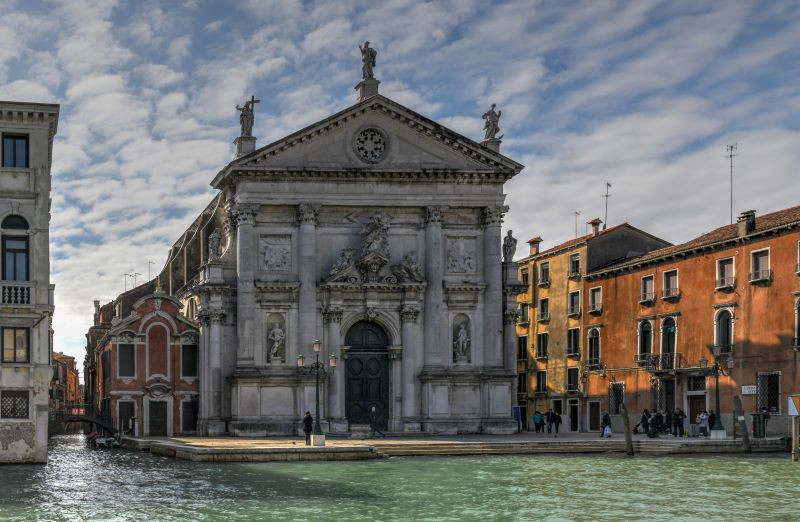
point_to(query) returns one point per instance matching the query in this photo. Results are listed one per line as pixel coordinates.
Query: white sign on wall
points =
(750, 390)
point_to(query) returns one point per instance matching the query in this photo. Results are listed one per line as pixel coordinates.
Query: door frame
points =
(589, 413)
(147, 402)
(574, 402)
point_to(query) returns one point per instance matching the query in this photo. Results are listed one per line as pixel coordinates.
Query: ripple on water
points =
(79, 483)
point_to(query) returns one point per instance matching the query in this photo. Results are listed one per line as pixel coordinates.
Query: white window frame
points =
(539, 335)
(542, 265)
(769, 262)
(599, 290)
(539, 308)
(545, 381)
(639, 324)
(664, 287)
(526, 272)
(578, 338)
(569, 300)
(661, 333)
(733, 326)
(569, 260)
(577, 378)
(641, 286)
(599, 343)
(733, 266)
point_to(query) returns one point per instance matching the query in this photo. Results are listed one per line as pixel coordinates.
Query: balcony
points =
(725, 283)
(541, 391)
(595, 308)
(796, 343)
(647, 298)
(544, 317)
(661, 362)
(544, 281)
(760, 276)
(523, 319)
(594, 363)
(574, 311)
(573, 353)
(572, 388)
(722, 349)
(18, 293)
(643, 360)
(541, 355)
(670, 294)
(574, 274)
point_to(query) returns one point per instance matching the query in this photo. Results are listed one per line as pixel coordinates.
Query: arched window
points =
(645, 340)
(15, 250)
(668, 332)
(594, 347)
(724, 333)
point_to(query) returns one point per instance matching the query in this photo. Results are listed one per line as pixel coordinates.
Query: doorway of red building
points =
(573, 413)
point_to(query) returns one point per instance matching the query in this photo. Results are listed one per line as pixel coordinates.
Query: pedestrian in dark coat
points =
(677, 422)
(605, 424)
(556, 423)
(645, 422)
(374, 421)
(308, 423)
(712, 419)
(549, 418)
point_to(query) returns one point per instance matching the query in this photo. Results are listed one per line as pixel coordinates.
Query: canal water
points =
(85, 484)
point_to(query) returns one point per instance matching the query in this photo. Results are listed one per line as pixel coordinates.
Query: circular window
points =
(371, 145)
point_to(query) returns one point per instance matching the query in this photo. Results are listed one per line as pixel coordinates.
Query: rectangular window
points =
(522, 383)
(670, 284)
(544, 273)
(189, 360)
(725, 273)
(523, 313)
(541, 345)
(769, 391)
(188, 416)
(522, 347)
(541, 381)
(616, 396)
(524, 276)
(14, 404)
(15, 258)
(126, 361)
(16, 345)
(647, 289)
(574, 265)
(574, 341)
(572, 379)
(15, 151)
(595, 299)
(574, 303)
(759, 265)
(544, 309)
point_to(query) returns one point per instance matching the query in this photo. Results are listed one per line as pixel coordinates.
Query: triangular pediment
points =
(375, 135)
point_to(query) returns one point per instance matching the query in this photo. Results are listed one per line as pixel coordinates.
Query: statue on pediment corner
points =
(509, 247)
(491, 124)
(368, 56)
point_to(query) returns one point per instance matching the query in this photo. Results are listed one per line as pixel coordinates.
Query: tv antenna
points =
(133, 275)
(126, 276)
(576, 222)
(148, 269)
(608, 195)
(732, 154)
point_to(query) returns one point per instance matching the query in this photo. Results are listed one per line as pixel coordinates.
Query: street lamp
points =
(317, 368)
(716, 370)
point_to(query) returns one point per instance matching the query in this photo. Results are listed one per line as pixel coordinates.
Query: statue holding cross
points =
(246, 117)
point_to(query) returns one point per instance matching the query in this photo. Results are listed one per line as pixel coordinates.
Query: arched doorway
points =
(366, 373)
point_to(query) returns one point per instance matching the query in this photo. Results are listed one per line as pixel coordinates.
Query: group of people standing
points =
(661, 423)
(551, 418)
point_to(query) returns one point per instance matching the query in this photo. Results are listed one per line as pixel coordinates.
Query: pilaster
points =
(245, 272)
(435, 324)
(409, 315)
(493, 270)
(307, 215)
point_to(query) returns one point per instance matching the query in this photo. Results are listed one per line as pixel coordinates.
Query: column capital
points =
(307, 213)
(245, 213)
(434, 215)
(212, 316)
(511, 316)
(493, 215)
(409, 314)
(332, 315)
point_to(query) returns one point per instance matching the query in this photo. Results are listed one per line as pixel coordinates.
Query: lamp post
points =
(715, 371)
(317, 368)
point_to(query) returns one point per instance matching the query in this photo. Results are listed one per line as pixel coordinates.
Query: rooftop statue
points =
(492, 124)
(368, 56)
(509, 247)
(246, 117)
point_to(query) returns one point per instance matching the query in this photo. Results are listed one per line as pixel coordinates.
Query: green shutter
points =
(127, 360)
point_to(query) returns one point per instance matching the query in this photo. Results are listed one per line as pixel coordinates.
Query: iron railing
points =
(544, 281)
(595, 308)
(574, 274)
(661, 361)
(760, 275)
(541, 353)
(543, 317)
(647, 297)
(670, 293)
(594, 363)
(574, 310)
(722, 349)
(643, 359)
(573, 351)
(725, 282)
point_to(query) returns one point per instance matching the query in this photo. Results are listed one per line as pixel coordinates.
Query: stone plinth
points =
(718, 434)
(317, 440)
(367, 88)
(493, 144)
(244, 145)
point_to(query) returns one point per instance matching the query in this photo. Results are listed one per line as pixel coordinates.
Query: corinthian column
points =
(493, 296)
(211, 372)
(307, 268)
(245, 276)
(435, 325)
(409, 315)
(333, 319)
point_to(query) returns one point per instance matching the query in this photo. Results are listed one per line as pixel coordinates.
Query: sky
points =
(644, 95)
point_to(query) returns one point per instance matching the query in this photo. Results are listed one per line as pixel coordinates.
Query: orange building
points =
(550, 328)
(64, 385)
(659, 322)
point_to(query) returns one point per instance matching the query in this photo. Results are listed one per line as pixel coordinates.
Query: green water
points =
(84, 484)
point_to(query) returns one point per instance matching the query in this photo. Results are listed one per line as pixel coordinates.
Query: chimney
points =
(96, 305)
(534, 245)
(596, 222)
(746, 223)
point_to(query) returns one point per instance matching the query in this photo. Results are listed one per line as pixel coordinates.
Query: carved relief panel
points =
(275, 253)
(461, 255)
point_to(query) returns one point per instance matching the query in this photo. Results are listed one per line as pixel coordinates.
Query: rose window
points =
(370, 145)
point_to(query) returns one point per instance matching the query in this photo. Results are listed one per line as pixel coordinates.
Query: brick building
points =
(550, 328)
(142, 364)
(658, 320)
(64, 386)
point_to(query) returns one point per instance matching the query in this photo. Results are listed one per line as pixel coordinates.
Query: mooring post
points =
(626, 423)
(737, 406)
(795, 436)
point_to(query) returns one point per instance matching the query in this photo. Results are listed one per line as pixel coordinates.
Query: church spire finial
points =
(368, 86)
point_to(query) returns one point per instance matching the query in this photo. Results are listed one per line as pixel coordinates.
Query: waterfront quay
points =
(228, 449)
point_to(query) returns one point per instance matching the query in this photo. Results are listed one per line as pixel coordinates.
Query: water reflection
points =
(80, 483)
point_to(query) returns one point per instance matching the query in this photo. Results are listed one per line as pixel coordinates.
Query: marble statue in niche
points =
(214, 242)
(276, 339)
(461, 339)
(461, 255)
(509, 247)
(276, 253)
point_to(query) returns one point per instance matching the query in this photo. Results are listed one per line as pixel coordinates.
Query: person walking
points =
(556, 422)
(308, 423)
(605, 426)
(677, 422)
(374, 422)
(537, 421)
(644, 423)
(549, 416)
(702, 422)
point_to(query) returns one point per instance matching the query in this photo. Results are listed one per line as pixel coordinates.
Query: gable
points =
(376, 135)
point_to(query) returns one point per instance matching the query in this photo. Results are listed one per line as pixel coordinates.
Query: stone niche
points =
(462, 339)
(276, 339)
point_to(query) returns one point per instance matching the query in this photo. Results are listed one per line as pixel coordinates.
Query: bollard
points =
(737, 406)
(626, 423)
(795, 436)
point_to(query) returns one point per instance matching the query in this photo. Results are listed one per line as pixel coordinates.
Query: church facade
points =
(377, 232)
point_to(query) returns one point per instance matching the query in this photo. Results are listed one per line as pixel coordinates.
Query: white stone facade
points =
(26, 295)
(376, 231)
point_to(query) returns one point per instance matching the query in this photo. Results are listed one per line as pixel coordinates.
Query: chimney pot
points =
(534, 245)
(596, 222)
(746, 223)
